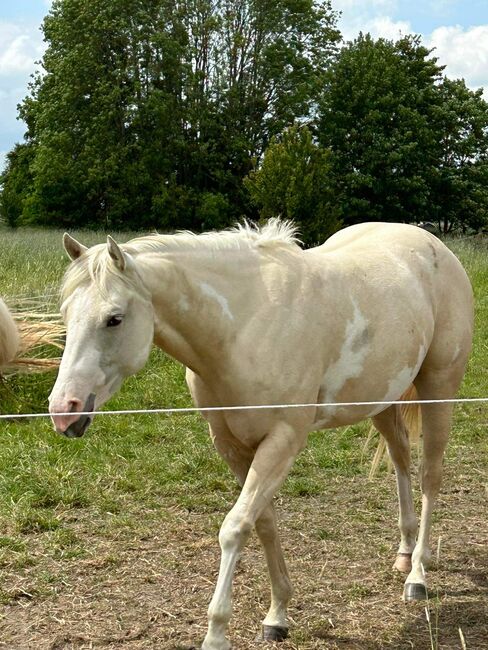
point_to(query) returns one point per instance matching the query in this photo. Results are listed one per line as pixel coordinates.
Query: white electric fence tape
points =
(206, 409)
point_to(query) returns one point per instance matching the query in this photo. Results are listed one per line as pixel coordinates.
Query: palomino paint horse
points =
(257, 320)
(9, 336)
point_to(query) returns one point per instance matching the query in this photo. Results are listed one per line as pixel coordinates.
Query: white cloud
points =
(20, 47)
(372, 16)
(464, 52)
(15, 57)
(385, 27)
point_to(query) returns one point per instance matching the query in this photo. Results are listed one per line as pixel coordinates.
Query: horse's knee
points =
(234, 532)
(266, 526)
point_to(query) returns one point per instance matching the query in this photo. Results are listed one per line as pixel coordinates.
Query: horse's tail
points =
(24, 337)
(9, 336)
(411, 415)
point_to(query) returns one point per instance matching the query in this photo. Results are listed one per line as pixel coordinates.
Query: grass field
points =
(111, 540)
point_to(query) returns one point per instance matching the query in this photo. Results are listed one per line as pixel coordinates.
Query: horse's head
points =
(109, 331)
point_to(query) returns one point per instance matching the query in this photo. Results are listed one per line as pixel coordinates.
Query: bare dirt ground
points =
(147, 586)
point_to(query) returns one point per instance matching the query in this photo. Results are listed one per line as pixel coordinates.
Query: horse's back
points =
(379, 238)
(398, 250)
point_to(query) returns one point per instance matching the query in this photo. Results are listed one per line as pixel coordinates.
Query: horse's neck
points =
(199, 301)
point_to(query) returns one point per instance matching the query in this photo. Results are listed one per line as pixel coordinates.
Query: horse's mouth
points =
(77, 429)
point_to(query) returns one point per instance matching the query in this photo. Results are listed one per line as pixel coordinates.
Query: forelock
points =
(96, 267)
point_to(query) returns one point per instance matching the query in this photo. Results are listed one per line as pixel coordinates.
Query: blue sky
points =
(430, 14)
(458, 29)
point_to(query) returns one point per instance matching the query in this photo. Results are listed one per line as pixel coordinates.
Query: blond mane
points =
(274, 234)
(96, 265)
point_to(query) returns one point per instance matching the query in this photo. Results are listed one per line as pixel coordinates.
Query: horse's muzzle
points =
(77, 429)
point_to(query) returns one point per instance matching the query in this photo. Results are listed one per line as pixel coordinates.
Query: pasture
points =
(110, 541)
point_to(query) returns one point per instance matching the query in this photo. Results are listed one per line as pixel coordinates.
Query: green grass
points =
(145, 463)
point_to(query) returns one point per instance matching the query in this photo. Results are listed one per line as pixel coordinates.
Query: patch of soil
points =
(148, 588)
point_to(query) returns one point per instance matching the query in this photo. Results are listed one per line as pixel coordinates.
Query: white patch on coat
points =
(349, 365)
(399, 384)
(456, 353)
(183, 303)
(209, 291)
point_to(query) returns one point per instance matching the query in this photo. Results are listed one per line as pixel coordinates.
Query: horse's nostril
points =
(74, 405)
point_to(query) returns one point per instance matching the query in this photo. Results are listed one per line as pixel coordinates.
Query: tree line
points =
(191, 114)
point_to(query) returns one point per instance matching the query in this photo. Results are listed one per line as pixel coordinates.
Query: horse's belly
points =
(352, 394)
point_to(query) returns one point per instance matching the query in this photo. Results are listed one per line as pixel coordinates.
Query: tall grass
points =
(32, 260)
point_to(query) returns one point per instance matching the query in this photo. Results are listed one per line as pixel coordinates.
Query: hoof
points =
(403, 562)
(273, 633)
(414, 591)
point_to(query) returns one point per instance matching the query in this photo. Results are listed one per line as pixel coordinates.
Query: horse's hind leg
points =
(275, 625)
(390, 424)
(436, 425)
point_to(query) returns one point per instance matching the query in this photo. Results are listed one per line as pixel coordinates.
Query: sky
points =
(457, 29)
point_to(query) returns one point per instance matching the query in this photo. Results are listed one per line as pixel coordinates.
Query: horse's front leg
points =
(239, 459)
(269, 468)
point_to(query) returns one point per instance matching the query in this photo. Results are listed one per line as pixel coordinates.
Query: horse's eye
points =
(113, 321)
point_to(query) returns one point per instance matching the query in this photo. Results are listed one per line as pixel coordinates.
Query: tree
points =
(461, 183)
(16, 185)
(407, 144)
(148, 112)
(293, 181)
(90, 164)
(375, 115)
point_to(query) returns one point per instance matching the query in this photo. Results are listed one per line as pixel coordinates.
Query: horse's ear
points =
(73, 247)
(116, 253)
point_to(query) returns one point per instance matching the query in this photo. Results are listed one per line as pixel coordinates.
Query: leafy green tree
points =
(461, 185)
(293, 181)
(375, 116)
(148, 113)
(83, 115)
(407, 144)
(16, 184)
